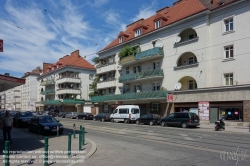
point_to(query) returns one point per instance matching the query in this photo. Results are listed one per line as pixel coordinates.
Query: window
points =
(157, 24)
(111, 59)
(138, 32)
(181, 115)
(112, 90)
(127, 70)
(120, 39)
(124, 111)
(192, 84)
(156, 86)
(192, 60)
(229, 79)
(127, 88)
(229, 24)
(155, 107)
(91, 76)
(137, 69)
(156, 65)
(135, 111)
(192, 36)
(137, 88)
(229, 52)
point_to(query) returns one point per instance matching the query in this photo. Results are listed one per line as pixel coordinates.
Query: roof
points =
(36, 72)
(169, 15)
(9, 82)
(73, 60)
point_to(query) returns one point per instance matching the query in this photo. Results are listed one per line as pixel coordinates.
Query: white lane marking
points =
(150, 132)
(186, 137)
(123, 131)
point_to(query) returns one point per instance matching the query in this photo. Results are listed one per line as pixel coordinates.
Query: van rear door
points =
(135, 113)
(195, 118)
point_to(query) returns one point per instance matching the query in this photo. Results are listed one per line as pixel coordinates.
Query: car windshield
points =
(47, 119)
(25, 114)
(135, 111)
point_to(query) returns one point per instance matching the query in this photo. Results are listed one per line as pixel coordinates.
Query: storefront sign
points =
(203, 110)
(170, 98)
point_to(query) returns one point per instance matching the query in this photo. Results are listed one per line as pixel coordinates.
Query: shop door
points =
(142, 111)
(213, 115)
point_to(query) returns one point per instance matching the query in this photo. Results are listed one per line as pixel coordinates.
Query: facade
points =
(29, 90)
(11, 99)
(192, 53)
(65, 85)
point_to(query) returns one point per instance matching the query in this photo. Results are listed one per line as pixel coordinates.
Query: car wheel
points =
(184, 125)
(163, 123)
(151, 123)
(103, 120)
(112, 120)
(83, 118)
(137, 122)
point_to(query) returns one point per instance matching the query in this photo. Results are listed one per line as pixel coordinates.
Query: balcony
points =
(68, 80)
(49, 82)
(48, 92)
(106, 84)
(106, 68)
(149, 74)
(64, 101)
(131, 96)
(68, 91)
(146, 55)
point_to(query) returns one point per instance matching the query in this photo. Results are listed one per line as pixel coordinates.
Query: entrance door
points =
(142, 111)
(213, 115)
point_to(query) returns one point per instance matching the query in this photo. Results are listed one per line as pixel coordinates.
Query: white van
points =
(125, 113)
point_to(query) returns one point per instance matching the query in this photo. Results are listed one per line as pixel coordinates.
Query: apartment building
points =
(29, 90)
(11, 99)
(65, 85)
(192, 56)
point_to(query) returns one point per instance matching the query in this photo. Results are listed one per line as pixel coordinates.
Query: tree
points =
(94, 86)
(128, 51)
(95, 60)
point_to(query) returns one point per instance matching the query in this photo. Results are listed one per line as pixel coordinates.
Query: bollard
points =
(7, 153)
(69, 145)
(46, 148)
(80, 140)
(57, 131)
(83, 136)
(74, 130)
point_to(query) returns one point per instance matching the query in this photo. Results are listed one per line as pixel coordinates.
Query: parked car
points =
(71, 115)
(102, 116)
(126, 113)
(150, 119)
(53, 113)
(45, 124)
(22, 119)
(183, 119)
(85, 116)
(62, 114)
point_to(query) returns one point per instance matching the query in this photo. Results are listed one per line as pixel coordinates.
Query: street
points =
(131, 144)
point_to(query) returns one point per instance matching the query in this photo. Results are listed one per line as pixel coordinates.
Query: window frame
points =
(193, 61)
(138, 32)
(230, 51)
(231, 76)
(121, 39)
(157, 24)
(157, 105)
(156, 86)
(194, 84)
(230, 21)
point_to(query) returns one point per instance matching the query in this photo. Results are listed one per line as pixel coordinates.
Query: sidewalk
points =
(28, 148)
(233, 129)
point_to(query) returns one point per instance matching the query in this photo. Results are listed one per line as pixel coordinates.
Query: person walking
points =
(6, 125)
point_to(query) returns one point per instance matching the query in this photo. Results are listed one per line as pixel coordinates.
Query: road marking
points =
(150, 132)
(186, 137)
(123, 131)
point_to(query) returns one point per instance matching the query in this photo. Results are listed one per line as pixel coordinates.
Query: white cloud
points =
(98, 3)
(144, 12)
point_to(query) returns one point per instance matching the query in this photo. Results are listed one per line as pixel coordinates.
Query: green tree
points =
(94, 86)
(95, 60)
(129, 51)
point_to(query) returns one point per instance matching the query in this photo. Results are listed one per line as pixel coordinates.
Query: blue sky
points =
(37, 31)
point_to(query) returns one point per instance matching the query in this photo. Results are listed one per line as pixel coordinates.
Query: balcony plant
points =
(128, 51)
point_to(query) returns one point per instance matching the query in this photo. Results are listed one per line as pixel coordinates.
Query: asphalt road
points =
(144, 145)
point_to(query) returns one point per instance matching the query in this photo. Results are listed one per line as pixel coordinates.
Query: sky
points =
(37, 31)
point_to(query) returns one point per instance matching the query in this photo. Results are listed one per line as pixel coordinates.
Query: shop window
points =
(229, 79)
(155, 107)
(232, 113)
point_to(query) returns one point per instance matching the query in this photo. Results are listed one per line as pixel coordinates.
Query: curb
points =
(91, 152)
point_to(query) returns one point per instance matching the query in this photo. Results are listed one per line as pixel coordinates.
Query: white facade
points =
(11, 99)
(29, 93)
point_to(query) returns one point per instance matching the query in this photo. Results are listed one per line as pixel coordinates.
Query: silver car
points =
(71, 115)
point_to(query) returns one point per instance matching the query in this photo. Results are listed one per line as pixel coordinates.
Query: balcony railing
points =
(131, 96)
(68, 91)
(47, 92)
(50, 82)
(106, 84)
(141, 75)
(68, 79)
(128, 58)
(64, 101)
(106, 68)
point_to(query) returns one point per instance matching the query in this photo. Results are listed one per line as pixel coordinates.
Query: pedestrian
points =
(6, 125)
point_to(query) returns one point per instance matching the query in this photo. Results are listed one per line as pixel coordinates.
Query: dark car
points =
(102, 116)
(150, 119)
(183, 119)
(84, 116)
(22, 119)
(45, 124)
(53, 113)
(62, 114)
